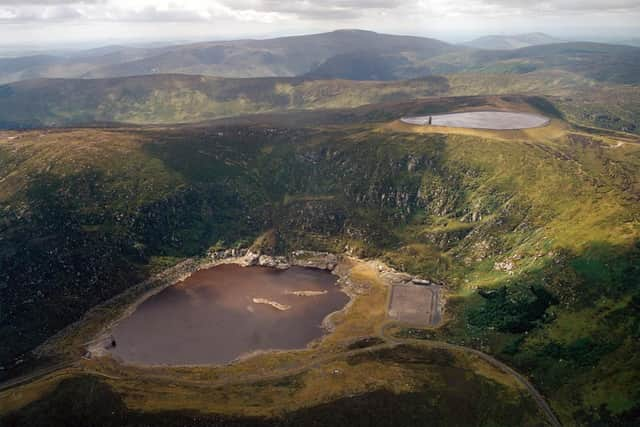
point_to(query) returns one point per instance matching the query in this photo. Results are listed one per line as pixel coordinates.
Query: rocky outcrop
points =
(508, 266)
(394, 277)
(247, 258)
(251, 258)
(320, 260)
(278, 262)
(228, 253)
(306, 293)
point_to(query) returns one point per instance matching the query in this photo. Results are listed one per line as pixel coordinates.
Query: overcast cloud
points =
(74, 21)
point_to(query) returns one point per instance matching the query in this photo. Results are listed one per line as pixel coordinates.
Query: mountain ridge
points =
(510, 42)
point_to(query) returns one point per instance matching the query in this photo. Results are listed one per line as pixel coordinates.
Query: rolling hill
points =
(169, 98)
(344, 54)
(175, 98)
(286, 56)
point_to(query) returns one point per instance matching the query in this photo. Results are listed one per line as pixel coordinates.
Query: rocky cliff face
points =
(300, 258)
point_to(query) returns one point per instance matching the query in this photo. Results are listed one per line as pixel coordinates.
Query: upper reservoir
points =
(489, 120)
(223, 312)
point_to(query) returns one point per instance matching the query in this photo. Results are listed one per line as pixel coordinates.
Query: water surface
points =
(493, 120)
(211, 316)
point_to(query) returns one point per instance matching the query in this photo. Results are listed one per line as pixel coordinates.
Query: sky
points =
(93, 22)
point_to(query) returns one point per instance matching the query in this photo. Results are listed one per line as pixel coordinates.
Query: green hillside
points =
(535, 232)
(182, 98)
(599, 62)
(170, 99)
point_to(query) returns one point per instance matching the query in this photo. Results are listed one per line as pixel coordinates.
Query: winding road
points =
(390, 342)
(535, 394)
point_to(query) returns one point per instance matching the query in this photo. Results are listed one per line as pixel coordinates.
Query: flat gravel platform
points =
(416, 304)
(490, 120)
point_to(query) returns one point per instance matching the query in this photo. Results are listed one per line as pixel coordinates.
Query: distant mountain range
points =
(507, 42)
(344, 54)
(279, 57)
(632, 42)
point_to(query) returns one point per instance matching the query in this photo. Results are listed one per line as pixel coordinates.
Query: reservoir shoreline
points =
(99, 346)
(88, 337)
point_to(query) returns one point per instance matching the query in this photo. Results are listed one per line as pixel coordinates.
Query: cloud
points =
(48, 2)
(330, 9)
(394, 15)
(152, 14)
(197, 10)
(96, 10)
(567, 5)
(34, 14)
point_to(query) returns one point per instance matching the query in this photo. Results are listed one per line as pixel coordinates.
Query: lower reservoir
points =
(226, 311)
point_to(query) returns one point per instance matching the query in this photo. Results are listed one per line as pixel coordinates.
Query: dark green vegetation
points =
(443, 399)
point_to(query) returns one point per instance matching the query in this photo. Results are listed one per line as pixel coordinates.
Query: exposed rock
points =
(306, 293)
(274, 304)
(227, 253)
(251, 258)
(320, 260)
(507, 266)
(412, 162)
(396, 278)
(278, 262)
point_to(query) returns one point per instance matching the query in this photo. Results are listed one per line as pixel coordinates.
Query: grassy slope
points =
(600, 62)
(88, 213)
(559, 204)
(582, 100)
(417, 387)
(183, 98)
(569, 224)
